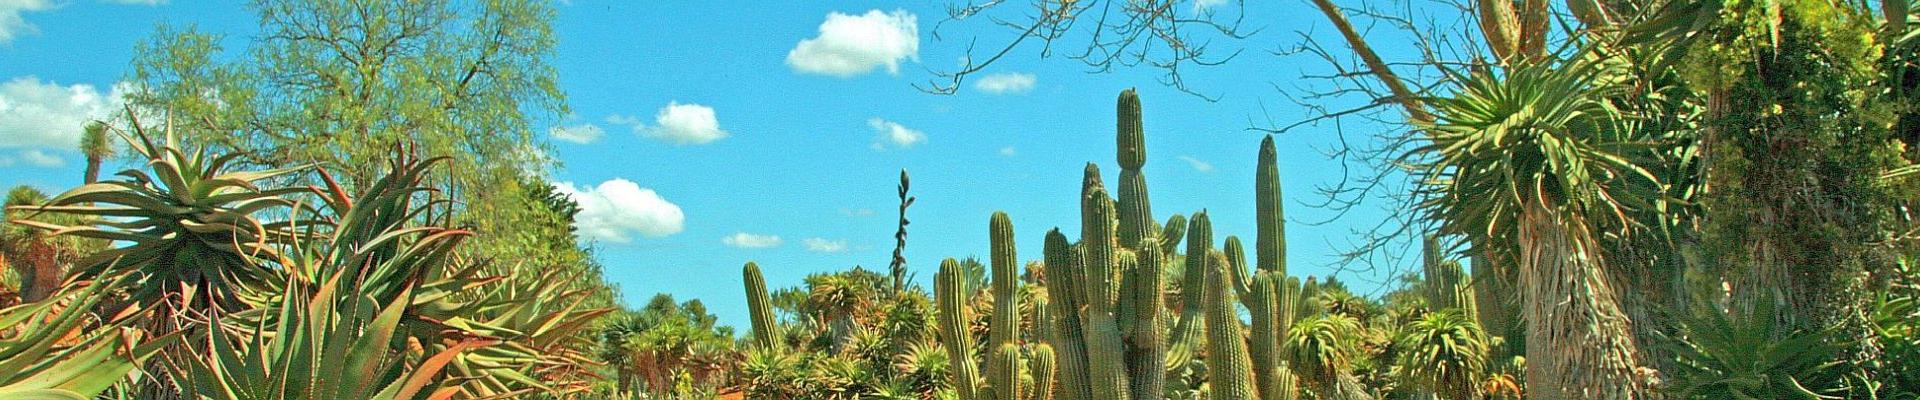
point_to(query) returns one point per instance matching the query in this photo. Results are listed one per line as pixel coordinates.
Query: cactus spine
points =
(1270, 216)
(1005, 375)
(759, 307)
(949, 286)
(1042, 368)
(1069, 334)
(1229, 369)
(1106, 369)
(1136, 211)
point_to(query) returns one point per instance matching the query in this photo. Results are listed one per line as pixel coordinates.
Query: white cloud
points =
(893, 134)
(618, 209)
(850, 45)
(825, 246)
(677, 123)
(31, 157)
(12, 25)
(856, 212)
(1008, 151)
(582, 133)
(1200, 6)
(43, 114)
(1197, 164)
(1005, 83)
(751, 241)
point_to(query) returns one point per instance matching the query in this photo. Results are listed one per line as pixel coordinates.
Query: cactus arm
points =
(1068, 335)
(1270, 215)
(1042, 368)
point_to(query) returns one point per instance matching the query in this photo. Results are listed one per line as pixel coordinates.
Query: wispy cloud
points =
(31, 158)
(48, 115)
(12, 25)
(581, 133)
(1005, 83)
(1008, 151)
(825, 246)
(894, 134)
(1197, 164)
(752, 241)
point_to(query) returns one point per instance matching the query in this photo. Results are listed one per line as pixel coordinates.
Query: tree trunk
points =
(1579, 345)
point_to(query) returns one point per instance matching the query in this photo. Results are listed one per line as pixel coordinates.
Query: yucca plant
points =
(55, 348)
(1537, 153)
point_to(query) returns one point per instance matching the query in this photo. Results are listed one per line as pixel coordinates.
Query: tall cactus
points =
(1042, 368)
(1187, 331)
(1263, 304)
(1136, 211)
(1004, 328)
(1005, 375)
(1229, 368)
(759, 307)
(950, 287)
(1270, 217)
(1064, 294)
(1447, 285)
(1146, 336)
(1106, 367)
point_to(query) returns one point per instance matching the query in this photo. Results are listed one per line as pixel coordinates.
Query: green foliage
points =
(1444, 352)
(1732, 355)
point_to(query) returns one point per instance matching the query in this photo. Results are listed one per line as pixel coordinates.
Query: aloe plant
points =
(52, 350)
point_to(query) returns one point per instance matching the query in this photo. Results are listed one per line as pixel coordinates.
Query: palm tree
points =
(1445, 353)
(93, 143)
(1537, 153)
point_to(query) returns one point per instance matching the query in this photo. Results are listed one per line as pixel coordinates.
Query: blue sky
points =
(752, 121)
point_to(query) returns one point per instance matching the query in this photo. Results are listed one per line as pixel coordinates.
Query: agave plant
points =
(53, 349)
(1444, 352)
(1748, 356)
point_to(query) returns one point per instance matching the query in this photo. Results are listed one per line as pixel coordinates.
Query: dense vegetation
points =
(1690, 200)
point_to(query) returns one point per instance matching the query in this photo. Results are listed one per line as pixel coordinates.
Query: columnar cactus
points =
(1004, 328)
(1106, 367)
(1270, 216)
(1447, 285)
(759, 307)
(1065, 298)
(1229, 368)
(1136, 211)
(1263, 302)
(1145, 336)
(1042, 367)
(950, 289)
(1187, 331)
(1005, 375)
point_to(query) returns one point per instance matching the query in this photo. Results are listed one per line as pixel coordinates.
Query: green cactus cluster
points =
(1102, 323)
